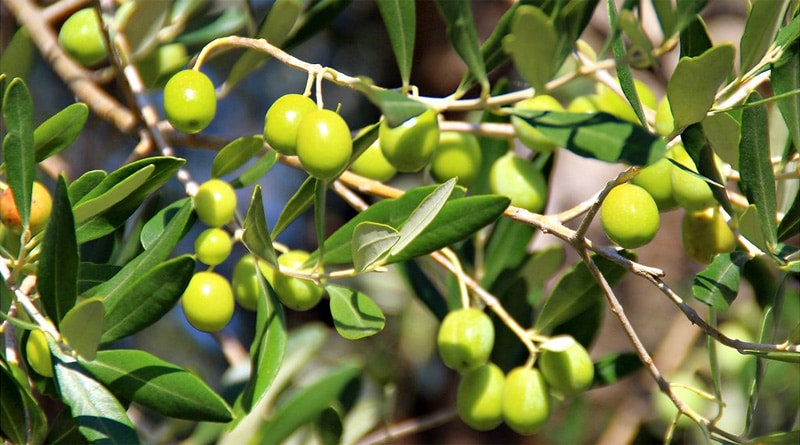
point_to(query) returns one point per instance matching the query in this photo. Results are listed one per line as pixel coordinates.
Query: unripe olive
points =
(81, 36)
(245, 282)
(629, 216)
(479, 399)
(190, 101)
(457, 156)
(566, 365)
(665, 123)
(520, 181)
(282, 119)
(37, 352)
(410, 146)
(208, 301)
(465, 339)
(526, 403)
(296, 293)
(582, 104)
(529, 136)
(41, 207)
(612, 103)
(373, 164)
(656, 178)
(215, 202)
(324, 145)
(704, 234)
(213, 246)
(691, 192)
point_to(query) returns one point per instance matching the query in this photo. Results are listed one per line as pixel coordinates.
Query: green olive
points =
(704, 234)
(520, 181)
(245, 282)
(37, 352)
(324, 144)
(215, 202)
(656, 178)
(691, 192)
(457, 156)
(282, 120)
(213, 246)
(610, 102)
(41, 207)
(81, 36)
(526, 402)
(465, 339)
(373, 164)
(410, 146)
(296, 293)
(208, 301)
(566, 365)
(190, 101)
(629, 216)
(479, 398)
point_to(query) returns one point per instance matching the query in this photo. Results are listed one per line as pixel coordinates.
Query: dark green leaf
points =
(354, 314)
(230, 22)
(155, 226)
(146, 297)
(762, 24)
(82, 327)
(18, 153)
(424, 289)
(256, 170)
(718, 284)
(723, 133)
(755, 167)
(575, 291)
(142, 24)
(59, 260)
(463, 36)
(256, 233)
(301, 201)
(695, 81)
(276, 28)
(100, 417)
(597, 135)
(778, 438)
(21, 418)
(506, 248)
(399, 18)
(533, 45)
(612, 368)
(687, 11)
(699, 149)
(395, 107)
(85, 183)
(458, 219)
(106, 222)
(624, 70)
(423, 215)
(585, 325)
(372, 243)
(17, 57)
(329, 427)
(236, 154)
(306, 405)
(92, 274)
(89, 208)
(59, 131)
(140, 377)
(785, 80)
(695, 39)
(155, 255)
(268, 347)
(319, 15)
(790, 224)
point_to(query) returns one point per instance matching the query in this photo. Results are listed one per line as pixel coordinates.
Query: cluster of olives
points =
(486, 397)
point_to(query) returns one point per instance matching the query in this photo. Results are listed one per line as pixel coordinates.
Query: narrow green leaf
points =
(87, 208)
(614, 367)
(778, 438)
(395, 107)
(318, 15)
(18, 153)
(355, 315)
(159, 250)
(533, 45)
(59, 260)
(59, 131)
(695, 81)
(639, 53)
(597, 135)
(755, 167)
(627, 22)
(762, 24)
(236, 154)
(268, 347)
(785, 80)
(108, 221)
(82, 327)
(686, 11)
(723, 133)
(699, 149)
(276, 28)
(232, 20)
(305, 406)
(155, 226)
(427, 292)
(320, 196)
(575, 291)
(329, 427)
(85, 184)
(143, 24)
(423, 215)
(461, 33)
(666, 16)
(17, 57)
(301, 201)
(21, 418)
(256, 233)
(790, 224)
(99, 415)
(458, 219)
(256, 170)
(695, 39)
(718, 284)
(372, 243)
(170, 390)
(145, 297)
(399, 18)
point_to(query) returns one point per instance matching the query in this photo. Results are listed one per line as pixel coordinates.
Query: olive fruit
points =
(479, 398)
(81, 36)
(582, 104)
(656, 178)
(629, 216)
(665, 123)
(190, 102)
(410, 146)
(520, 181)
(245, 282)
(163, 61)
(457, 156)
(208, 301)
(526, 403)
(704, 234)
(612, 103)
(296, 293)
(465, 339)
(373, 164)
(213, 246)
(282, 119)
(41, 207)
(565, 365)
(324, 145)
(37, 351)
(215, 202)
(529, 136)
(691, 192)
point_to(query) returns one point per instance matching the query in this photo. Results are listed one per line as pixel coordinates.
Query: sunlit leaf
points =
(59, 131)
(762, 24)
(256, 170)
(82, 327)
(695, 81)
(355, 315)
(395, 107)
(87, 208)
(143, 24)
(423, 215)
(532, 45)
(372, 243)
(236, 154)
(463, 36)
(256, 233)
(612, 368)
(18, 152)
(301, 201)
